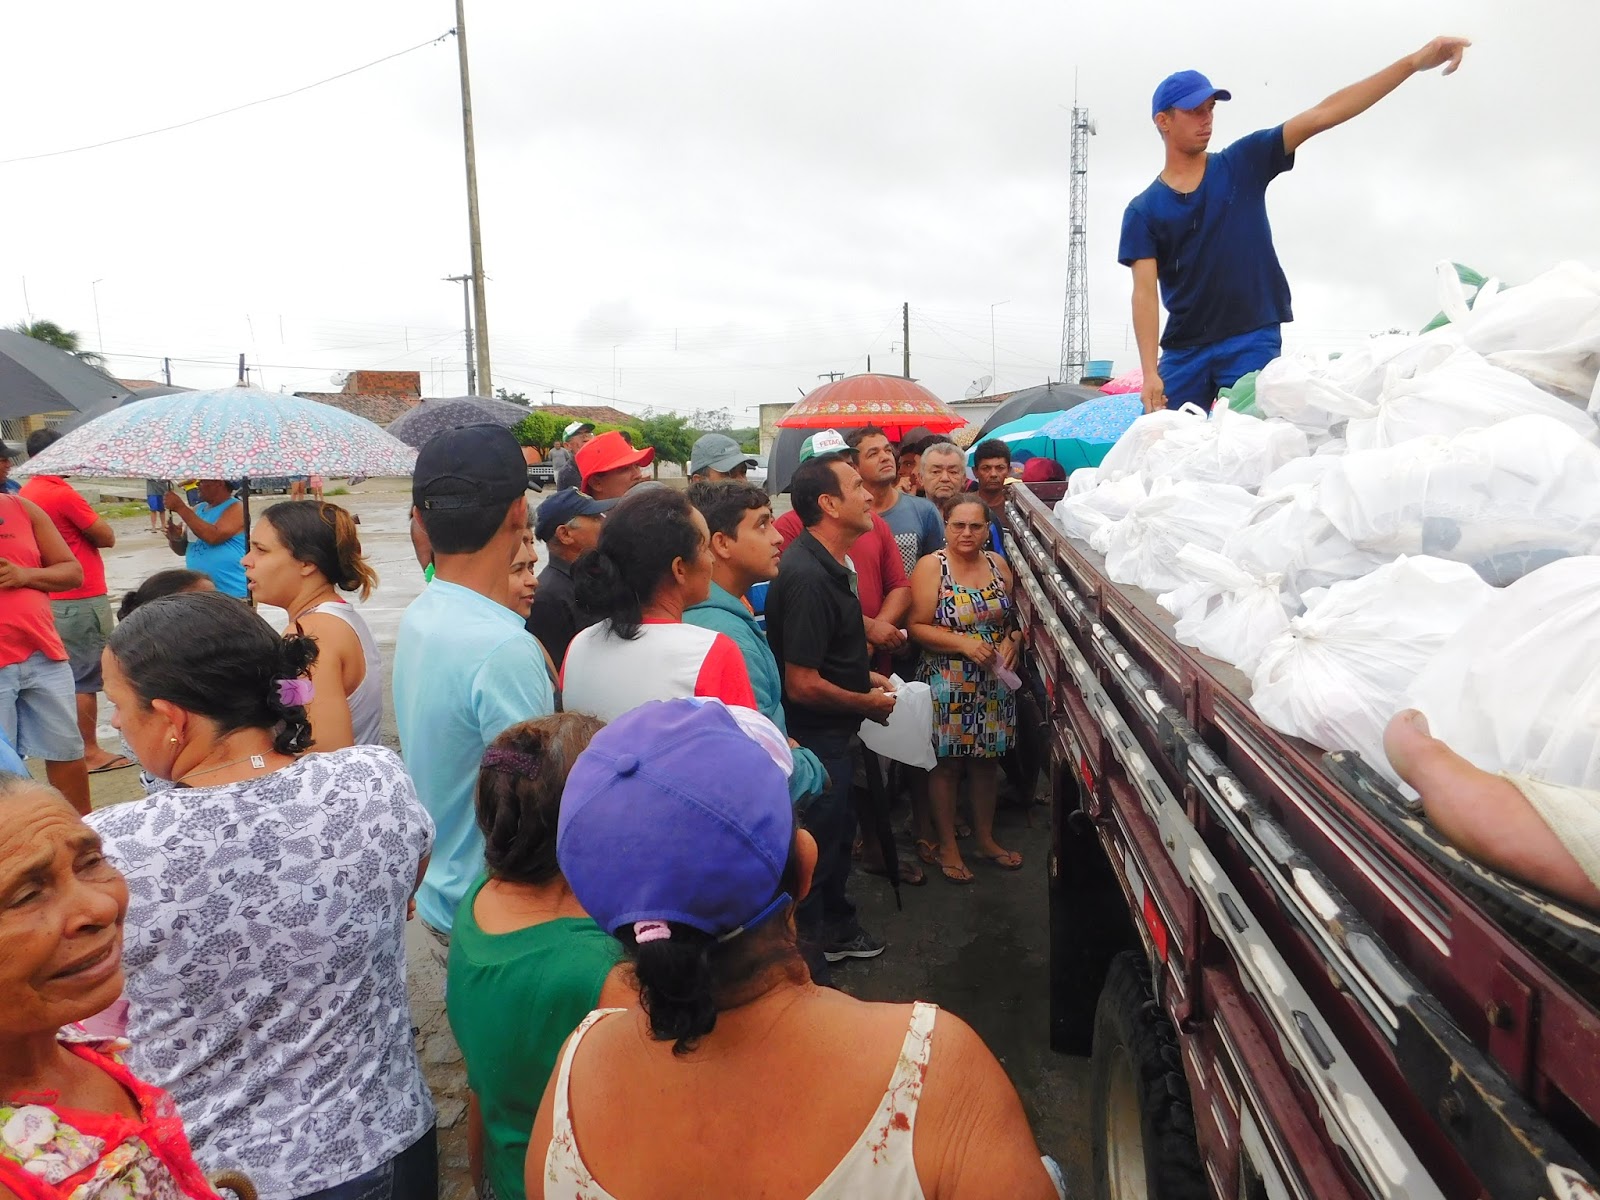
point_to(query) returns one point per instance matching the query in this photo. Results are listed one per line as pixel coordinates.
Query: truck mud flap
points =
(1502, 1139)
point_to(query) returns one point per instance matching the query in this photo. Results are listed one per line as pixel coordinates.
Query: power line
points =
(5, 162)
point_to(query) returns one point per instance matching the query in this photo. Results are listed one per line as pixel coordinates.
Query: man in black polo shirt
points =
(568, 523)
(815, 630)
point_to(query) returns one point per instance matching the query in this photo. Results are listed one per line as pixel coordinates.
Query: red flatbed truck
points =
(1289, 986)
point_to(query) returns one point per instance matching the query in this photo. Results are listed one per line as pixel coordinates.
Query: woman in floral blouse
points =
(73, 1119)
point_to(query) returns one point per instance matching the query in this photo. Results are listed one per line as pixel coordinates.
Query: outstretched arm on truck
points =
(1358, 97)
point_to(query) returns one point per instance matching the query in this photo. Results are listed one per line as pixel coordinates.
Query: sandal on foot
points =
(1007, 860)
(957, 874)
(927, 851)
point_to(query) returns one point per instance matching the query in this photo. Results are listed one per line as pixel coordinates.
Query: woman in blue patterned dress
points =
(962, 617)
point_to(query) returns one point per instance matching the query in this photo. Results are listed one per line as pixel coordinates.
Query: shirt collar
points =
(454, 593)
(831, 564)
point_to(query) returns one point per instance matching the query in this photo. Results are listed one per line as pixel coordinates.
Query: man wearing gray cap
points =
(717, 456)
(465, 669)
(575, 437)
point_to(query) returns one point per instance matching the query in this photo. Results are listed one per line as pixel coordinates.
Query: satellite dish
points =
(338, 378)
(979, 387)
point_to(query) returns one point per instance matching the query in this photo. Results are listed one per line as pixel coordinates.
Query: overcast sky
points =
(727, 199)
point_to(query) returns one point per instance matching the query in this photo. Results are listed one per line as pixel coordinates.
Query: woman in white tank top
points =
(302, 554)
(738, 1076)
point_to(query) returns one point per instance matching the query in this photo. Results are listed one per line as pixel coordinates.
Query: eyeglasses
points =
(967, 526)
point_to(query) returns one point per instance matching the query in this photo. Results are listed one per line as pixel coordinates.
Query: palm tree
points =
(62, 339)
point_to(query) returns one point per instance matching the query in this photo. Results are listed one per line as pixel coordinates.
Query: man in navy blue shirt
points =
(1201, 232)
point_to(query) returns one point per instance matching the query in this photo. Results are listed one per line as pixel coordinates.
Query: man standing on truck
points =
(1200, 230)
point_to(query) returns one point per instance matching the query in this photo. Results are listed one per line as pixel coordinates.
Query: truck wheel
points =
(1143, 1141)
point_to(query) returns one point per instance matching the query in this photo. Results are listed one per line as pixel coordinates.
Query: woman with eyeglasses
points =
(963, 617)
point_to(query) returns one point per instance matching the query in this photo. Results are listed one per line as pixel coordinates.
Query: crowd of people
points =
(623, 812)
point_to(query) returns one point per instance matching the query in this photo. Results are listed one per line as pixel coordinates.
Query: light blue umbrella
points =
(1100, 421)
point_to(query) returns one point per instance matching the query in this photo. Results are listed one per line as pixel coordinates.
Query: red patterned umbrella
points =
(888, 400)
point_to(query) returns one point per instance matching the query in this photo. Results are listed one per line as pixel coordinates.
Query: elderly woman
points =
(652, 562)
(962, 617)
(301, 557)
(266, 979)
(526, 962)
(73, 1120)
(213, 534)
(892, 1101)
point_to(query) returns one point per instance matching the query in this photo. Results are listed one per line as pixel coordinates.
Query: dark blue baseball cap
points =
(674, 812)
(1185, 89)
(564, 507)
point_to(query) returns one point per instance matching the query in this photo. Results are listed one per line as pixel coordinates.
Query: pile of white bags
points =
(1127, 457)
(1230, 447)
(1227, 612)
(1089, 515)
(1547, 330)
(1517, 687)
(1289, 536)
(1506, 499)
(1449, 390)
(1143, 547)
(1342, 669)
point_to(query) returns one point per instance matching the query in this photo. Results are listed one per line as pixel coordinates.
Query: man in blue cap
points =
(1200, 231)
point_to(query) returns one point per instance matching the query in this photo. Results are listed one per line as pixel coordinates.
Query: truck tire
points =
(1143, 1141)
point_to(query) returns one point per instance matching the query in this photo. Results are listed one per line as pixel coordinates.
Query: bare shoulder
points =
(331, 633)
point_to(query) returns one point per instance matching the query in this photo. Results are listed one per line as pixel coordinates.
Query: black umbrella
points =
(105, 406)
(1049, 397)
(434, 415)
(784, 457)
(35, 377)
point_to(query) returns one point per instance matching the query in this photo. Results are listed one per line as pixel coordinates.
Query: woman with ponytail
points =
(737, 1075)
(265, 939)
(653, 560)
(302, 555)
(522, 944)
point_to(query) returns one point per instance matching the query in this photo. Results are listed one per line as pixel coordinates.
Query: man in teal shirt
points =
(745, 547)
(464, 667)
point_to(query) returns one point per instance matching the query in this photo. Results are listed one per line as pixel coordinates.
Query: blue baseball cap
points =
(1185, 89)
(675, 813)
(563, 508)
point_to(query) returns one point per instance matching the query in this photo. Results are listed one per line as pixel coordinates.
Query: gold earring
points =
(173, 740)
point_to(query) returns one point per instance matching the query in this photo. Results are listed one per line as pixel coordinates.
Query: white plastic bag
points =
(1237, 615)
(1288, 535)
(1451, 391)
(1128, 455)
(908, 737)
(1342, 670)
(1516, 689)
(1230, 447)
(1297, 473)
(1084, 479)
(1082, 515)
(1506, 499)
(1547, 330)
(1142, 549)
(1320, 391)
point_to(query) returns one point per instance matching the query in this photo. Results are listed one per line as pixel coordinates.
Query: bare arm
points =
(100, 535)
(973, 1140)
(475, 1142)
(228, 523)
(58, 570)
(1358, 97)
(1147, 332)
(805, 685)
(329, 710)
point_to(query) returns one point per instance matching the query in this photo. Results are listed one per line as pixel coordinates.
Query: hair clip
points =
(292, 692)
(651, 931)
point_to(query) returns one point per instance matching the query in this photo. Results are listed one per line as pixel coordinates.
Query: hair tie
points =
(515, 762)
(651, 931)
(297, 691)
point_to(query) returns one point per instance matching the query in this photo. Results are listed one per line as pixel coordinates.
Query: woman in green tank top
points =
(526, 962)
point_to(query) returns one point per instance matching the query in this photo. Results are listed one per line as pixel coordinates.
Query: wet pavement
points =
(978, 951)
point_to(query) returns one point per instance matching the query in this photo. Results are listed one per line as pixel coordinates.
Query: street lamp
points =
(993, 389)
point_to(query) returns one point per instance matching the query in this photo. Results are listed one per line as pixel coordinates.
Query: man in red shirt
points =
(83, 613)
(36, 709)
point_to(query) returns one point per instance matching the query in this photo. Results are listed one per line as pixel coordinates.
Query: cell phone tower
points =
(1075, 324)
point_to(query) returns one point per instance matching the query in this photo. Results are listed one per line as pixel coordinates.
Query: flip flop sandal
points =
(1002, 862)
(927, 851)
(960, 875)
(120, 763)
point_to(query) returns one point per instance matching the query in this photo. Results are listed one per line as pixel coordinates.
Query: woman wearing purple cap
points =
(732, 1036)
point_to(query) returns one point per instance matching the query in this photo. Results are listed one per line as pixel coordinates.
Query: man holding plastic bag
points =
(1200, 232)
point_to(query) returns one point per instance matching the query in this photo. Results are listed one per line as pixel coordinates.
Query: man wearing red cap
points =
(1200, 231)
(609, 466)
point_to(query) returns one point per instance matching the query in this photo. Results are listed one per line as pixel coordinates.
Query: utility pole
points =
(166, 370)
(99, 337)
(830, 376)
(479, 302)
(241, 369)
(905, 339)
(466, 319)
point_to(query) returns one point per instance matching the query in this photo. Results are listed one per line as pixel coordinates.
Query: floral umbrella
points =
(231, 433)
(888, 400)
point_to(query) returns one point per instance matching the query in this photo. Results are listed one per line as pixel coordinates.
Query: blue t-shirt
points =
(917, 527)
(1213, 247)
(224, 562)
(465, 670)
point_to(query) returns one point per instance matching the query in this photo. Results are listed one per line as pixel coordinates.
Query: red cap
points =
(608, 452)
(1042, 470)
